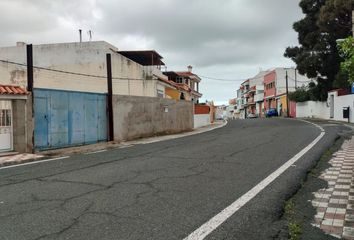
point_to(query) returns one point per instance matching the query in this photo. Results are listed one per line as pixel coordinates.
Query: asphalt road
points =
(163, 190)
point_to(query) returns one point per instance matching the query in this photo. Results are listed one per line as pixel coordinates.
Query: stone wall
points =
(137, 117)
(22, 125)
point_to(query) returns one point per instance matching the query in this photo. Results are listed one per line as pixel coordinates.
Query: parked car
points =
(272, 112)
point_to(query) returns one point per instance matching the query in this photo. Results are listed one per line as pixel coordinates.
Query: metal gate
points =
(66, 118)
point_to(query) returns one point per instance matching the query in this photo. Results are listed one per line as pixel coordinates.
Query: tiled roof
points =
(184, 74)
(169, 82)
(14, 90)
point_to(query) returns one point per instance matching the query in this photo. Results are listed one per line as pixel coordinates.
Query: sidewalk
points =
(335, 204)
(26, 157)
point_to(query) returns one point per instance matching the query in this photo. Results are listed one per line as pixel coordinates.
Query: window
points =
(179, 79)
(5, 118)
(160, 93)
(270, 85)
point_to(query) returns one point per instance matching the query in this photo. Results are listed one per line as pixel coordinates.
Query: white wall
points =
(87, 58)
(201, 120)
(339, 103)
(312, 109)
(322, 109)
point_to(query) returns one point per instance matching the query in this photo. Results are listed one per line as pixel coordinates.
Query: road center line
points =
(34, 162)
(221, 217)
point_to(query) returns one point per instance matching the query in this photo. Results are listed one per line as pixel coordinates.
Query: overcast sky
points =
(228, 39)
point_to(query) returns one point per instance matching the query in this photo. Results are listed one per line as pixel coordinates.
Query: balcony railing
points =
(259, 97)
(153, 71)
(250, 100)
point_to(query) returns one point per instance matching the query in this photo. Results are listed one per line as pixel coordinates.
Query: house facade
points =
(243, 99)
(268, 90)
(256, 95)
(188, 84)
(276, 83)
(15, 119)
(70, 92)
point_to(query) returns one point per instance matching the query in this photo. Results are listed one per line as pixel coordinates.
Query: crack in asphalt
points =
(148, 182)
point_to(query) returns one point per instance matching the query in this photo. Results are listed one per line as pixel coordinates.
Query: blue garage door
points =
(64, 118)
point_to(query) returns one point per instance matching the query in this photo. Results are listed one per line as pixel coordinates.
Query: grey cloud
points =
(218, 37)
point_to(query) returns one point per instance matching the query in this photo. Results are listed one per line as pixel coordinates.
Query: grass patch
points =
(294, 227)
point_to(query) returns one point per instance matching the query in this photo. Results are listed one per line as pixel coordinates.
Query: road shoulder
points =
(300, 211)
(15, 159)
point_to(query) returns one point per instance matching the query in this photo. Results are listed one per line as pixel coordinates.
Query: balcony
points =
(152, 71)
(260, 88)
(253, 89)
(250, 100)
(259, 97)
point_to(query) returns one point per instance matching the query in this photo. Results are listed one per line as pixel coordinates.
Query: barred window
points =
(5, 118)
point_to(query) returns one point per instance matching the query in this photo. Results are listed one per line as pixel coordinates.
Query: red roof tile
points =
(184, 74)
(15, 90)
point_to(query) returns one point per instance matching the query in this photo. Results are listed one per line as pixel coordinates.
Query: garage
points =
(68, 118)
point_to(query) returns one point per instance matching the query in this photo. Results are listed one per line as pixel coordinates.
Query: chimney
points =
(20, 44)
(190, 68)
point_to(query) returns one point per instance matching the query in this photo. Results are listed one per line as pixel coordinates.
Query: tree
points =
(317, 55)
(300, 95)
(346, 50)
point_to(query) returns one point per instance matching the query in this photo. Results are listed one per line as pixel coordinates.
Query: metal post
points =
(29, 68)
(110, 98)
(287, 94)
(29, 53)
(295, 79)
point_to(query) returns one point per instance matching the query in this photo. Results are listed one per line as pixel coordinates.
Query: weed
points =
(293, 226)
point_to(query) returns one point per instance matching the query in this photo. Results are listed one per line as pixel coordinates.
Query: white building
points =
(69, 99)
(88, 59)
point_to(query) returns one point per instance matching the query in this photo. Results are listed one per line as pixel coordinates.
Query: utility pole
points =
(29, 68)
(29, 53)
(295, 79)
(110, 98)
(287, 94)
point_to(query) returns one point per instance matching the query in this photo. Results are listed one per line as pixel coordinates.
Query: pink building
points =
(269, 90)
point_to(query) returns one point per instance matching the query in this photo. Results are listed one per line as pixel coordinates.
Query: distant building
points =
(187, 82)
(267, 90)
(275, 89)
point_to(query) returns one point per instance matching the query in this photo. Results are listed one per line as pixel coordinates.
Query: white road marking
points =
(99, 151)
(221, 217)
(126, 146)
(35, 162)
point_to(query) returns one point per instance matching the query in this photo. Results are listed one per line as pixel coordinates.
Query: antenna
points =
(80, 34)
(90, 33)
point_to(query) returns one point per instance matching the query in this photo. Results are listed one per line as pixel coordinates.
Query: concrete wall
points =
(130, 78)
(323, 109)
(22, 125)
(339, 103)
(312, 109)
(201, 120)
(137, 117)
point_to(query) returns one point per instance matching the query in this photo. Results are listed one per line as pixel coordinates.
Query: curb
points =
(112, 145)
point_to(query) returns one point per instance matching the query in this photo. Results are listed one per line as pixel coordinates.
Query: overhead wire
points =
(137, 79)
(68, 72)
